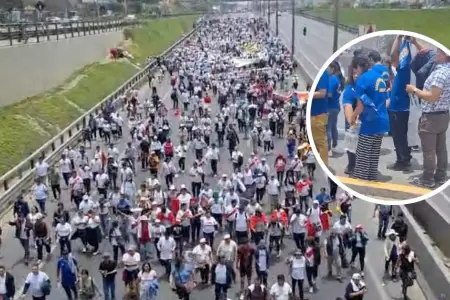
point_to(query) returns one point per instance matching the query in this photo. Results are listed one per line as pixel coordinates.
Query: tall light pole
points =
(268, 12)
(276, 17)
(293, 31)
(336, 26)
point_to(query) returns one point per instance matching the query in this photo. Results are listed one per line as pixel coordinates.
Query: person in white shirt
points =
(66, 168)
(203, 258)
(227, 249)
(101, 182)
(209, 226)
(273, 189)
(63, 234)
(131, 260)
(79, 221)
(224, 183)
(297, 267)
(34, 282)
(313, 213)
(181, 152)
(197, 177)
(281, 290)
(213, 155)
(184, 216)
(231, 196)
(42, 169)
(297, 224)
(166, 246)
(87, 204)
(266, 137)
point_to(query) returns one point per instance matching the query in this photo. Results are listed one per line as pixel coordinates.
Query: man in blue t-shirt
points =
(319, 116)
(323, 198)
(66, 272)
(400, 102)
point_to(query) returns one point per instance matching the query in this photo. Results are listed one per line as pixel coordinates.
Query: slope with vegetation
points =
(27, 125)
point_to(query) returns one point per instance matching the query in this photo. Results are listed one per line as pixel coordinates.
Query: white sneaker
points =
(311, 289)
(330, 153)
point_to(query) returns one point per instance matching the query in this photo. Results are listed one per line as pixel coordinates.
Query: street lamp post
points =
(336, 26)
(276, 17)
(293, 31)
(268, 12)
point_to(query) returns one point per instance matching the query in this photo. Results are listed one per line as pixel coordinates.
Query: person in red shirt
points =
(167, 218)
(144, 237)
(244, 262)
(207, 99)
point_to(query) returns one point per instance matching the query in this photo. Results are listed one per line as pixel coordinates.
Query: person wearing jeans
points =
(319, 116)
(335, 86)
(40, 194)
(108, 269)
(359, 243)
(297, 266)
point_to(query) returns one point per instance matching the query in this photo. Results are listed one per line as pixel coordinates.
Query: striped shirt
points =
(439, 78)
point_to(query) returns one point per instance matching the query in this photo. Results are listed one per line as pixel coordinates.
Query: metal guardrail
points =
(13, 33)
(46, 31)
(21, 178)
(351, 29)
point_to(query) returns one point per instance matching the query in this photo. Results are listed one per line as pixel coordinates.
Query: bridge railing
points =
(45, 31)
(351, 29)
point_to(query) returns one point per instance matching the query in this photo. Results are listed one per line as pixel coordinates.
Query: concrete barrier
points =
(433, 275)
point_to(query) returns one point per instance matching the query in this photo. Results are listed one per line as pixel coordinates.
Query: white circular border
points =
(308, 116)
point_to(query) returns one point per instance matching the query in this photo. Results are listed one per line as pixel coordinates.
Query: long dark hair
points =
(336, 70)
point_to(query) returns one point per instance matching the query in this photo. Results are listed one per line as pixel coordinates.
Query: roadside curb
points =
(384, 190)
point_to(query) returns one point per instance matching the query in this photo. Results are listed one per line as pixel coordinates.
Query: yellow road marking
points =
(385, 186)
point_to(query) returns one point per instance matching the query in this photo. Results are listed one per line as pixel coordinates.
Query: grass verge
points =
(426, 22)
(27, 125)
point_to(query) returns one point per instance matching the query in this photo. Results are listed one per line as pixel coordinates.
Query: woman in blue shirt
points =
(335, 84)
(183, 280)
(372, 94)
(349, 103)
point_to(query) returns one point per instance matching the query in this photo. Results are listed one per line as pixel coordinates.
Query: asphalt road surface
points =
(312, 52)
(329, 289)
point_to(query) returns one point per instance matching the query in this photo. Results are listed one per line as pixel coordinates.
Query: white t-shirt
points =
(208, 224)
(36, 281)
(131, 262)
(202, 254)
(280, 292)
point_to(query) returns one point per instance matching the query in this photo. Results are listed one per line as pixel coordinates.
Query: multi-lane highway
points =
(362, 214)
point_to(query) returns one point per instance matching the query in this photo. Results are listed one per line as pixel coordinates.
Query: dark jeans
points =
(220, 291)
(399, 131)
(361, 252)
(383, 224)
(299, 239)
(109, 289)
(298, 283)
(71, 290)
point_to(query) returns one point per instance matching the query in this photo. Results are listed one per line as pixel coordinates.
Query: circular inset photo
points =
(378, 117)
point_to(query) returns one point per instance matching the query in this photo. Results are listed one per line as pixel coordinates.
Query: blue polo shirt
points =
(334, 86)
(372, 86)
(349, 97)
(322, 198)
(66, 271)
(320, 106)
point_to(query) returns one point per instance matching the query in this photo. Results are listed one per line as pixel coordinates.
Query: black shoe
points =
(399, 166)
